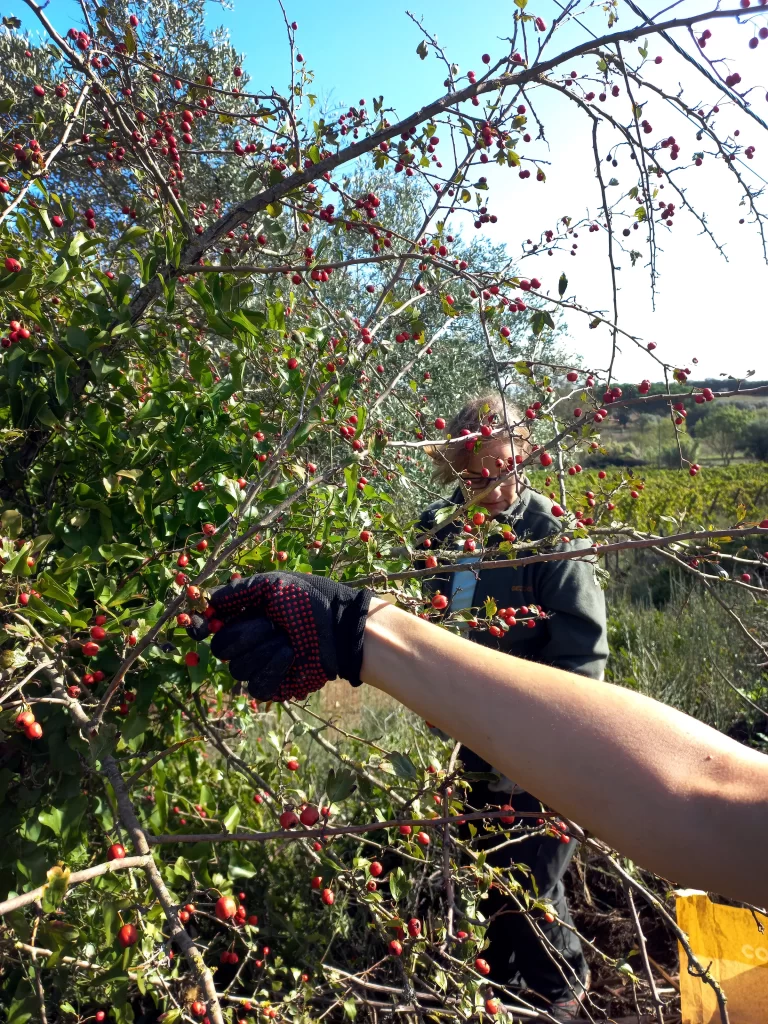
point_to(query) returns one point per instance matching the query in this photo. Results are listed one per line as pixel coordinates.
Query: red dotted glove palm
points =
(286, 634)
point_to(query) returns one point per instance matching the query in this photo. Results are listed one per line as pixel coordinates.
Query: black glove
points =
(286, 633)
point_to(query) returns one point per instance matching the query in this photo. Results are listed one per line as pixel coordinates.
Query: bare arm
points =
(675, 795)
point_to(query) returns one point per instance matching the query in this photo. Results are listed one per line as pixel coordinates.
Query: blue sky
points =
(707, 308)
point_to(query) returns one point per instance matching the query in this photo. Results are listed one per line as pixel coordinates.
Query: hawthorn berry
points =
(116, 852)
(128, 936)
(309, 816)
(225, 908)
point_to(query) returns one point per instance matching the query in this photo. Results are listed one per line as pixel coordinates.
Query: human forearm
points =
(675, 795)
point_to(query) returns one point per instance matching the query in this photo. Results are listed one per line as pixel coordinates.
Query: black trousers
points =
(514, 946)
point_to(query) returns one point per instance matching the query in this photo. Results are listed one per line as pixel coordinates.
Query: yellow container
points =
(729, 939)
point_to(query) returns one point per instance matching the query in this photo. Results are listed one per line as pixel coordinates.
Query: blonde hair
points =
(488, 409)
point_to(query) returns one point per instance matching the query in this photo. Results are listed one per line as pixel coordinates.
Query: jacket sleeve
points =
(570, 593)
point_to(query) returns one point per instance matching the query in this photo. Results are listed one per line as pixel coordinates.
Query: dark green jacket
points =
(574, 636)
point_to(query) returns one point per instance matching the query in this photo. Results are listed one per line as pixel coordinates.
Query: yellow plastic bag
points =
(729, 938)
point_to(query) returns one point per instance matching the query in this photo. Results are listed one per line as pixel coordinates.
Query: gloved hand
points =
(287, 633)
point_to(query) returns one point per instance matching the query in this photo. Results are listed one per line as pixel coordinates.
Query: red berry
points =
(292, 765)
(128, 936)
(423, 838)
(482, 966)
(309, 816)
(491, 1006)
(439, 423)
(116, 852)
(327, 897)
(226, 908)
(507, 819)
(375, 868)
(90, 649)
(97, 632)
(25, 718)
(317, 882)
(182, 560)
(414, 927)
(439, 601)
(395, 948)
(288, 819)
(405, 830)
(33, 731)
(557, 511)
(191, 658)
(365, 536)
(478, 518)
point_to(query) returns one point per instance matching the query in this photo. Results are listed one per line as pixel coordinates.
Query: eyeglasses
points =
(483, 481)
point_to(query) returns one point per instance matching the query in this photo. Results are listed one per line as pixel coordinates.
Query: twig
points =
(642, 945)
(107, 868)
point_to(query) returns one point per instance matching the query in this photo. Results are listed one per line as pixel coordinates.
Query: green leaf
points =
(350, 1008)
(22, 1010)
(56, 889)
(240, 866)
(403, 765)
(231, 819)
(276, 316)
(134, 231)
(339, 784)
(125, 593)
(116, 552)
(54, 819)
(541, 319)
(48, 586)
(398, 883)
(110, 917)
(58, 276)
(63, 363)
